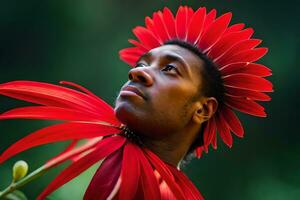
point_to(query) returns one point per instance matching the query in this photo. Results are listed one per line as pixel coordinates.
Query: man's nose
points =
(139, 74)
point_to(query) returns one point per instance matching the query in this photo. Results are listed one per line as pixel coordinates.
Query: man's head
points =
(238, 83)
(168, 92)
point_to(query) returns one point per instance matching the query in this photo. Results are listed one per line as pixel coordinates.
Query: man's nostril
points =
(130, 77)
(142, 79)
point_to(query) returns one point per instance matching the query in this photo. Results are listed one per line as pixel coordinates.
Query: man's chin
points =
(129, 116)
(137, 122)
(125, 112)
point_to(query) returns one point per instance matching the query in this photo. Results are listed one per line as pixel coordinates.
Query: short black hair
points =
(212, 81)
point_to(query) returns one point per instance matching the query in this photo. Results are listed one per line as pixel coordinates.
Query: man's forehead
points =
(168, 49)
(173, 51)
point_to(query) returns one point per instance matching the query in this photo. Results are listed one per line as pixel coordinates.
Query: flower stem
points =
(49, 165)
(16, 185)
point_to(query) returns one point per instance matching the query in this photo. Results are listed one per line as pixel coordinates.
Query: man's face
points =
(158, 98)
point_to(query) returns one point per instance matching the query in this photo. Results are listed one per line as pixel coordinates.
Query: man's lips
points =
(131, 90)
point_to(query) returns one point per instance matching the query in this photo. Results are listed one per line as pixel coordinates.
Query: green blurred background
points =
(79, 40)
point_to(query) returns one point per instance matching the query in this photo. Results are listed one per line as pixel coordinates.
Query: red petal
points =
(246, 68)
(199, 151)
(169, 22)
(53, 95)
(190, 14)
(214, 32)
(58, 132)
(105, 178)
(130, 172)
(73, 153)
(228, 41)
(244, 45)
(105, 148)
(105, 105)
(150, 187)
(132, 51)
(62, 155)
(165, 173)
(131, 55)
(209, 132)
(181, 22)
(245, 105)
(209, 19)
(248, 82)
(150, 26)
(129, 59)
(214, 141)
(165, 192)
(223, 130)
(146, 37)
(232, 121)
(242, 52)
(53, 113)
(78, 156)
(137, 44)
(196, 26)
(254, 95)
(234, 28)
(160, 26)
(187, 186)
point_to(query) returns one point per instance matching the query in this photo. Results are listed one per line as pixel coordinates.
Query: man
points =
(164, 101)
(189, 72)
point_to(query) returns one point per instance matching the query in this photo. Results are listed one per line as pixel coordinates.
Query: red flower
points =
(230, 48)
(128, 170)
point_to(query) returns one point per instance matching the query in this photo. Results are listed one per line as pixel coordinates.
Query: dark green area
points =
(79, 41)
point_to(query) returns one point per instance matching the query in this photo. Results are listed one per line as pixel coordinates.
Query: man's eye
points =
(169, 68)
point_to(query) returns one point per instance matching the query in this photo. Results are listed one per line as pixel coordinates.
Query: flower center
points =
(130, 135)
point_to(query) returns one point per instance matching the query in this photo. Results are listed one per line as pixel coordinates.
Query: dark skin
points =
(162, 101)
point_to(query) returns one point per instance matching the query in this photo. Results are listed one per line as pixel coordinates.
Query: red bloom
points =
(231, 48)
(128, 170)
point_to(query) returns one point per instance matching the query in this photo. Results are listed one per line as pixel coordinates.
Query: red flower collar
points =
(128, 170)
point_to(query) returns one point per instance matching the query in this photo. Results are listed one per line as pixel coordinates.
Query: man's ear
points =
(205, 109)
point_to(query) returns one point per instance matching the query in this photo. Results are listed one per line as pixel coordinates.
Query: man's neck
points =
(167, 152)
(172, 149)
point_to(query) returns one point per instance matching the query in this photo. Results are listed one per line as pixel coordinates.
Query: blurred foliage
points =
(79, 41)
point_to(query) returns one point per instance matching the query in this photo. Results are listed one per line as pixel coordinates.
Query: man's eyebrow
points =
(144, 56)
(169, 56)
(178, 58)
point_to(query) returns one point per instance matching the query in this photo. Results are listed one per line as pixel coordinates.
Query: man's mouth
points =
(130, 90)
